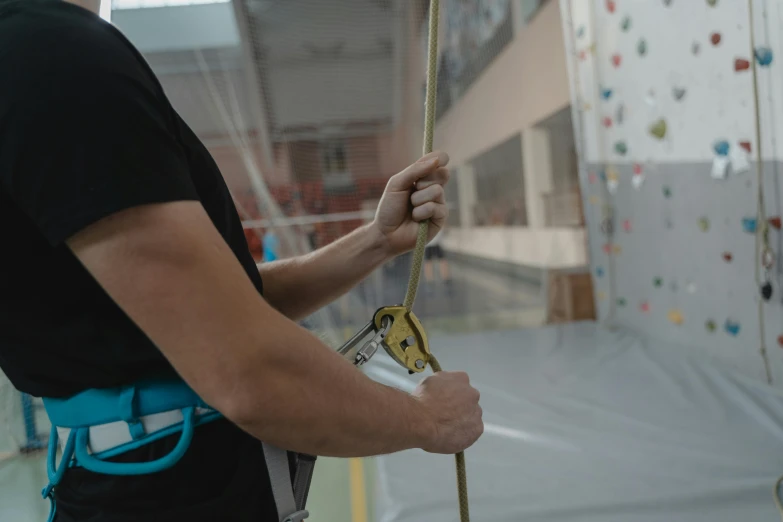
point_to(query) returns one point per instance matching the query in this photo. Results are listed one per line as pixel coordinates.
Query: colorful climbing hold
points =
(763, 56)
(658, 129)
(727, 256)
(601, 295)
(667, 3)
(616, 60)
(593, 199)
(617, 249)
(780, 340)
(715, 38)
(586, 106)
(602, 174)
(637, 169)
(583, 55)
(704, 224)
(607, 248)
(710, 326)
(732, 327)
(620, 114)
(741, 64)
(610, 6)
(621, 148)
(580, 32)
(712, 3)
(749, 225)
(606, 93)
(675, 316)
(678, 93)
(599, 271)
(641, 47)
(644, 306)
(775, 222)
(621, 301)
(657, 282)
(745, 145)
(766, 290)
(592, 178)
(667, 191)
(637, 180)
(607, 122)
(626, 23)
(721, 147)
(695, 48)
(627, 225)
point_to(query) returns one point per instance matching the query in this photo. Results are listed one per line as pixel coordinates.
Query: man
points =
(125, 260)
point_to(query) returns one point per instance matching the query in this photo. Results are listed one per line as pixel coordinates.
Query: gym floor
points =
(475, 300)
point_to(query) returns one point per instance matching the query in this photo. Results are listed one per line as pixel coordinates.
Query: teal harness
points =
(130, 404)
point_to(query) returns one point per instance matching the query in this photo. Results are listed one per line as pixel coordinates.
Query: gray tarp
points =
(583, 424)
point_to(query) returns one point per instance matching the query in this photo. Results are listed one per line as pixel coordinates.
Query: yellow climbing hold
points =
(675, 316)
(612, 174)
(593, 199)
(616, 249)
(601, 295)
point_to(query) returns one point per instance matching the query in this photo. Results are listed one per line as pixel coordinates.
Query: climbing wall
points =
(664, 108)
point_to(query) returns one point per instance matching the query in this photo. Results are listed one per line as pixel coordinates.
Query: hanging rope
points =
(421, 238)
(763, 249)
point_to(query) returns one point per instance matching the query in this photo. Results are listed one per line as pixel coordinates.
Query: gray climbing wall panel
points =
(665, 116)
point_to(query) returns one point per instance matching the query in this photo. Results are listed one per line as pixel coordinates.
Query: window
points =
(141, 4)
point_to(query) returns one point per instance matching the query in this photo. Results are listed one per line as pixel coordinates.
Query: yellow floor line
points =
(358, 491)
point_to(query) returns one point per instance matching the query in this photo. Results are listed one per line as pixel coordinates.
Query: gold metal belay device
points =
(399, 332)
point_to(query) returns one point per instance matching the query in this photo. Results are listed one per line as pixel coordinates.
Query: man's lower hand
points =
(452, 405)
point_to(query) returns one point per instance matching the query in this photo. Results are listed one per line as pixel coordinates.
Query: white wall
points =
(537, 248)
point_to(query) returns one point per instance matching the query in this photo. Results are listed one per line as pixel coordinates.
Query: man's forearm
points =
(171, 272)
(299, 286)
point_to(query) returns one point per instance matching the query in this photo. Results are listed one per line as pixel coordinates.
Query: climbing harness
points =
(397, 328)
(99, 424)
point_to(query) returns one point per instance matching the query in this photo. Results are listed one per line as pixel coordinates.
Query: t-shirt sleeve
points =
(99, 143)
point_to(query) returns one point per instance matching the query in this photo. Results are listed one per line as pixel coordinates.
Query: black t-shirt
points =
(86, 131)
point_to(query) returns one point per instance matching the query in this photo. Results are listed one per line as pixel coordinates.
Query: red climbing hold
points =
(607, 122)
(745, 145)
(715, 38)
(780, 340)
(727, 257)
(616, 59)
(608, 248)
(582, 55)
(775, 222)
(645, 307)
(741, 64)
(610, 6)
(637, 169)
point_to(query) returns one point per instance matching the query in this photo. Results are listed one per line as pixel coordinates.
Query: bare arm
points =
(298, 287)
(172, 273)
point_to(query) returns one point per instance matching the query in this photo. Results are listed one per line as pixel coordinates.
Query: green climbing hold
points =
(667, 192)
(621, 148)
(626, 23)
(710, 325)
(641, 47)
(621, 301)
(712, 3)
(704, 224)
(657, 282)
(658, 129)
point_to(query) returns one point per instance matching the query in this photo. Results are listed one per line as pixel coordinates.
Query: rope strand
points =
(421, 238)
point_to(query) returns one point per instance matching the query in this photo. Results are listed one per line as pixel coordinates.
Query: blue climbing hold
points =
(763, 56)
(606, 93)
(602, 175)
(599, 272)
(732, 327)
(749, 225)
(580, 32)
(721, 148)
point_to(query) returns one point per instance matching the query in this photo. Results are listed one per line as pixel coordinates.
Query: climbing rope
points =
(421, 238)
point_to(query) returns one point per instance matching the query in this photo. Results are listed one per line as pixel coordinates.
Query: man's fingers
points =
(439, 177)
(431, 193)
(425, 166)
(431, 210)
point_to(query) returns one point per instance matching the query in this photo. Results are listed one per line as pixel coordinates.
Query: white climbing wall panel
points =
(665, 117)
